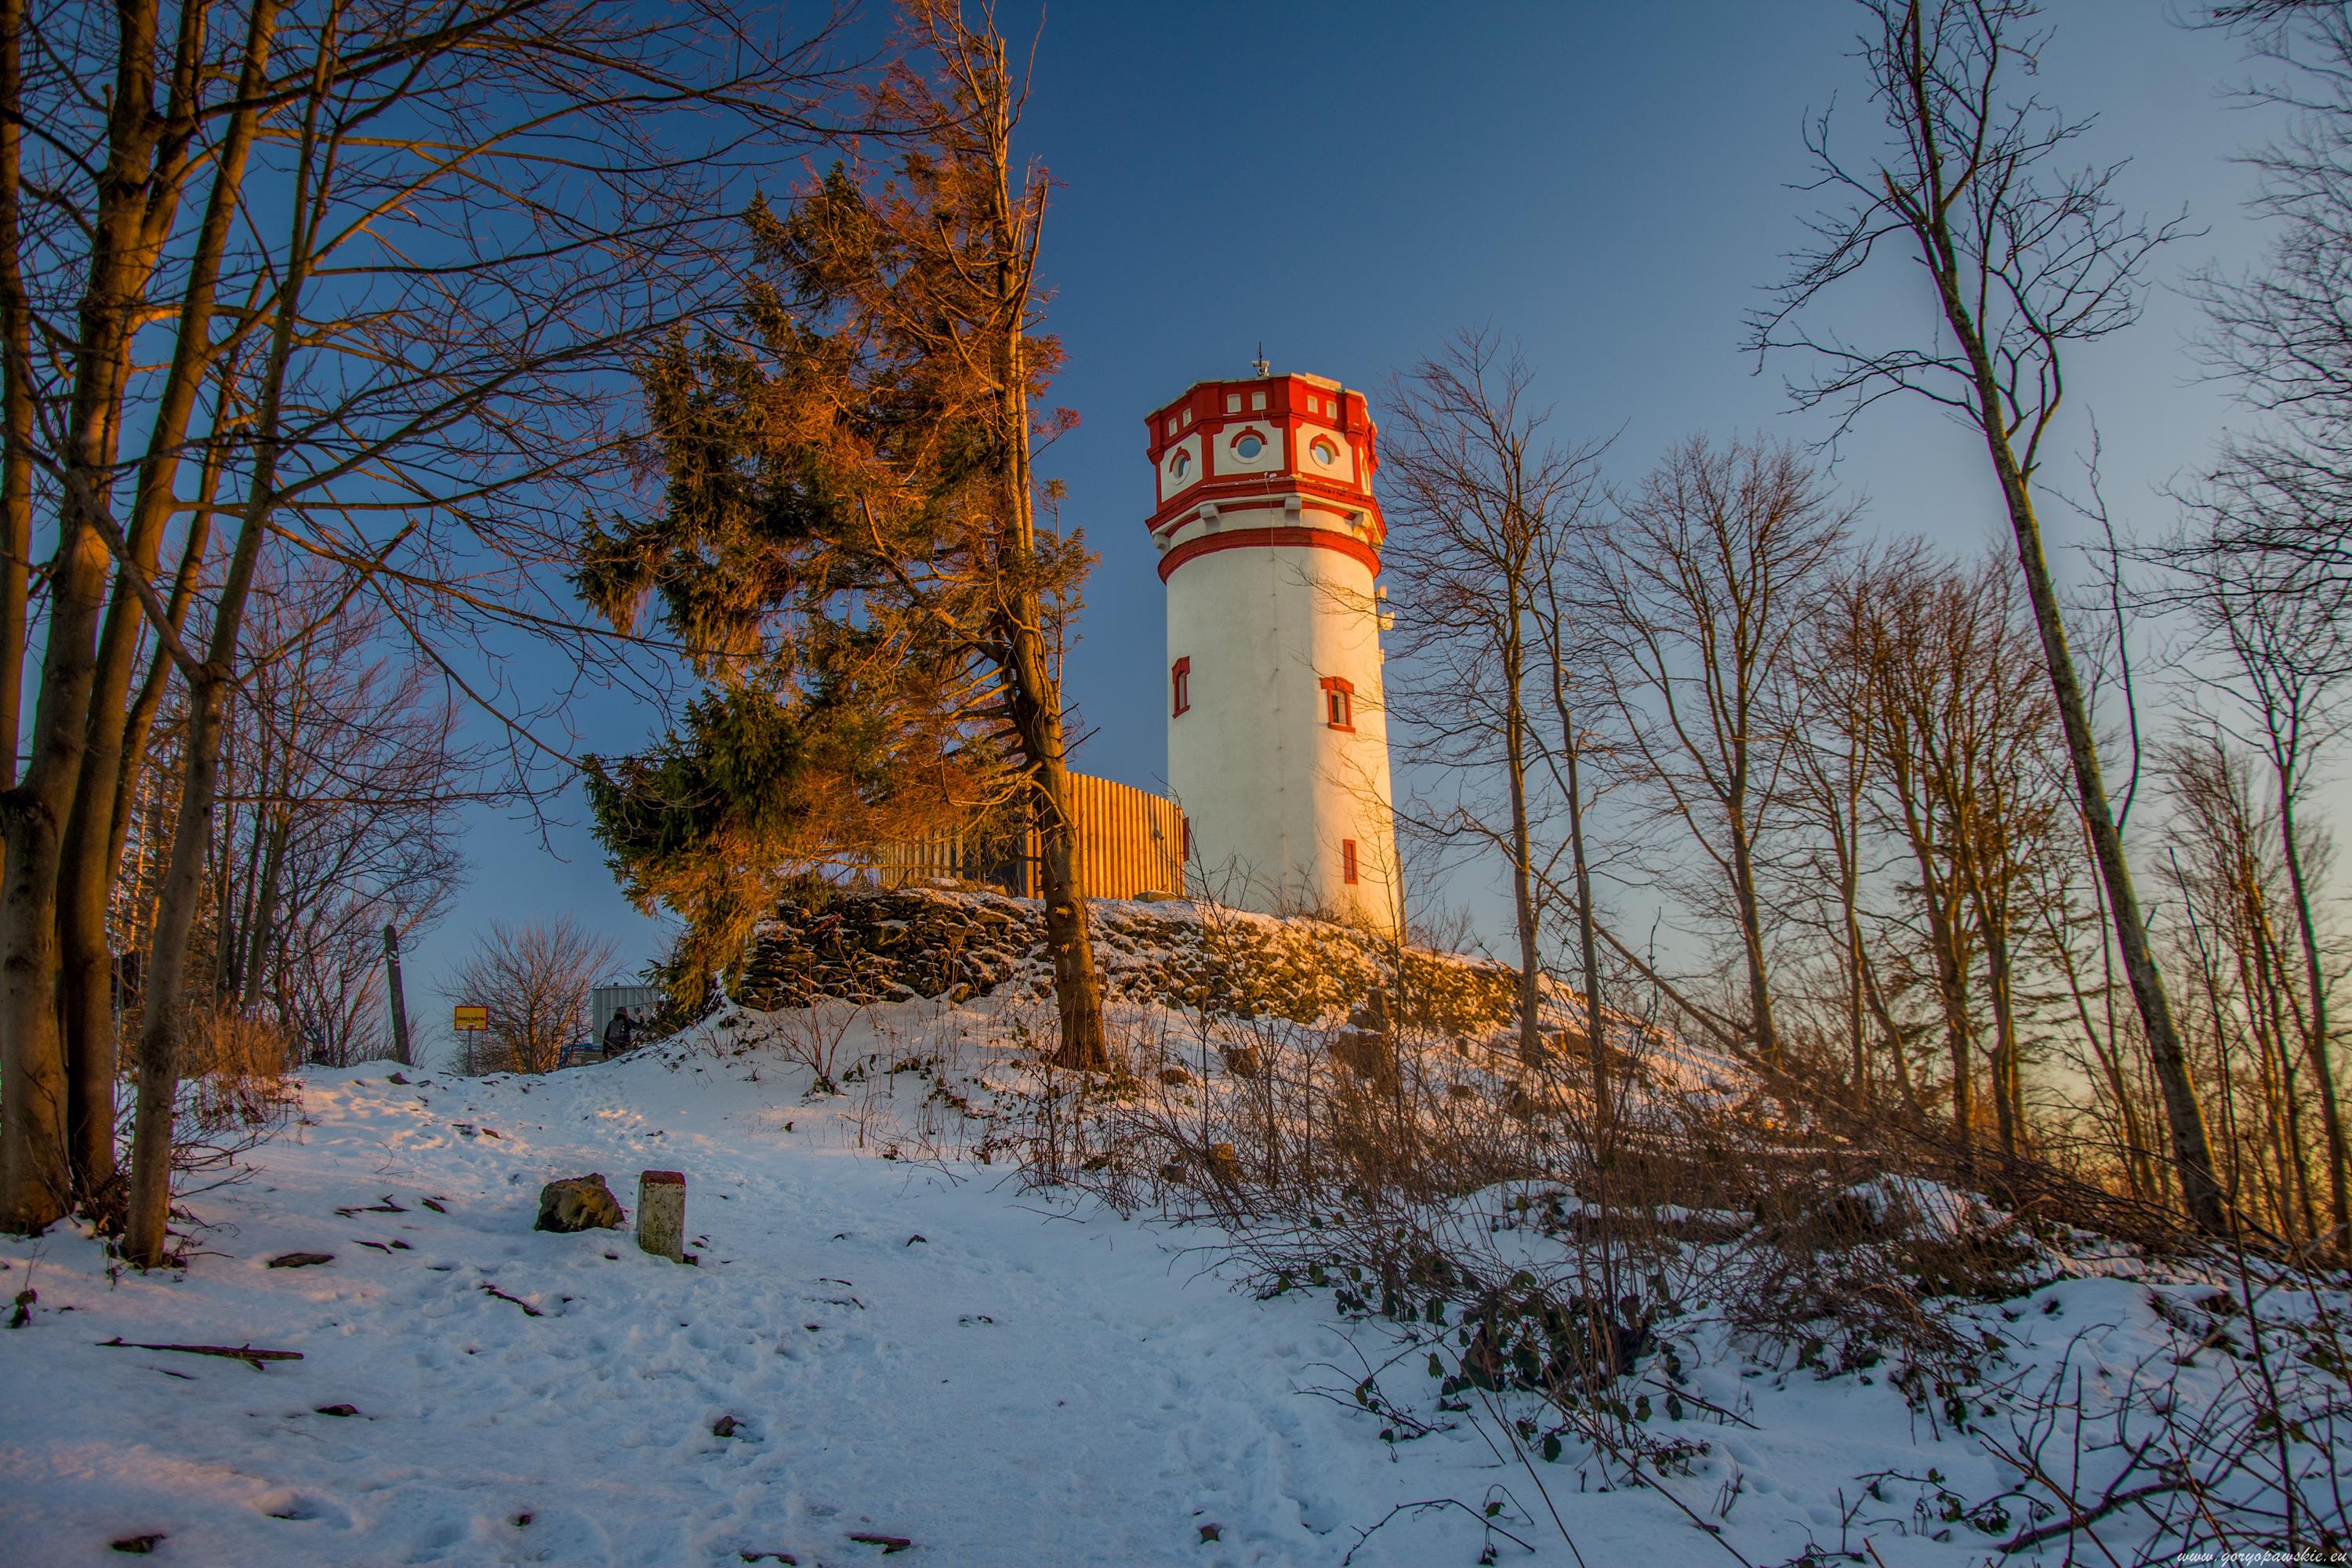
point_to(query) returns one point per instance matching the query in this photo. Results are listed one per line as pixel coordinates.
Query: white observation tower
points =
(1278, 739)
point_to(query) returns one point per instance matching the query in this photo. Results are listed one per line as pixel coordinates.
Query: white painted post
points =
(661, 1214)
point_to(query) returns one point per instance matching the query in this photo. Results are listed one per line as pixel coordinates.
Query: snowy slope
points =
(914, 1350)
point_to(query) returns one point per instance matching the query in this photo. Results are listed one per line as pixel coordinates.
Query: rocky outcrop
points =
(883, 946)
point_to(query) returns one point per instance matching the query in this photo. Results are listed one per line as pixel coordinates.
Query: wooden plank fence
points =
(1130, 842)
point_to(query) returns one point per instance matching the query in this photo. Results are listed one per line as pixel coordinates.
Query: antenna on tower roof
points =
(1262, 364)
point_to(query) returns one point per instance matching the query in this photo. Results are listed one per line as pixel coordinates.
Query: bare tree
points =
(2281, 491)
(1577, 690)
(1706, 581)
(2225, 864)
(2289, 659)
(1830, 704)
(534, 979)
(342, 785)
(1483, 508)
(419, 241)
(2025, 261)
(1964, 726)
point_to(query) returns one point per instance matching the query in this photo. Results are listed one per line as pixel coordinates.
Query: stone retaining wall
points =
(878, 946)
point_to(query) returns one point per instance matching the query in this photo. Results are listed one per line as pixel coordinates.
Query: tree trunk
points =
(1751, 923)
(149, 1210)
(2317, 1043)
(1034, 698)
(1951, 986)
(89, 855)
(15, 394)
(1850, 910)
(2191, 1152)
(2200, 1190)
(1515, 763)
(1034, 692)
(1077, 989)
(148, 1221)
(29, 1074)
(1875, 995)
(140, 723)
(1596, 1042)
(265, 913)
(35, 1168)
(1988, 908)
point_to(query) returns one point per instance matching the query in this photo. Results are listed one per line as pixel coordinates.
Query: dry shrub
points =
(1557, 1273)
(235, 1092)
(814, 1036)
(1523, 1251)
(2228, 1442)
(234, 1069)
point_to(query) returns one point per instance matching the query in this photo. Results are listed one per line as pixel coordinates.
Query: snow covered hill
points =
(876, 1348)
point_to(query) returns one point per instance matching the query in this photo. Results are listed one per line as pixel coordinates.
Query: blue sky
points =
(1608, 185)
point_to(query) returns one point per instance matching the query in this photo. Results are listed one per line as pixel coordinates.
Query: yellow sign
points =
(473, 1018)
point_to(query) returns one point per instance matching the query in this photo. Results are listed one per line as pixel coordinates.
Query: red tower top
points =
(1297, 442)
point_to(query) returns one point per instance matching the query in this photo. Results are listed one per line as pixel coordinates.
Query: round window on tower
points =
(1179, 465)
(1324, 451)
(1248, 447)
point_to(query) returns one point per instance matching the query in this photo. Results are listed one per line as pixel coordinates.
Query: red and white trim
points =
(1260, 538)
(1297, 413)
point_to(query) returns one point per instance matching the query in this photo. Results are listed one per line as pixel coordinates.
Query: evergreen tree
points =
(849, 547)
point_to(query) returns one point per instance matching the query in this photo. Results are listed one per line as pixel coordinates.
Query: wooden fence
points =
(1130, 842)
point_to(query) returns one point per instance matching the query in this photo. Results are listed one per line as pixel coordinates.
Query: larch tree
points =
(860, 467)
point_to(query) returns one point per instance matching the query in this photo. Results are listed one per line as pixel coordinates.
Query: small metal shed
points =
(643, 1003)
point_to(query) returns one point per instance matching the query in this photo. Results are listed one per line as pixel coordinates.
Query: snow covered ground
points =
(900, 1351)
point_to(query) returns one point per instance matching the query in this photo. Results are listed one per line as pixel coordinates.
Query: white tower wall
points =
(1271, 790)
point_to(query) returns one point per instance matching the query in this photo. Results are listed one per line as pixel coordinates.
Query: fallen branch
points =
(2084, 1518)
(246, 1353)
(1485, 1520)
(1688, 1397)
(527, 1309)
(888, 1543)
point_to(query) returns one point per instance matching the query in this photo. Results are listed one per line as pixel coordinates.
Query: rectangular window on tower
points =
(1180, 686)
(1348, 861)
(1338, 702)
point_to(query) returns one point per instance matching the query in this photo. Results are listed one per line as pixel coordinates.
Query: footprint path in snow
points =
(1017, 1388)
